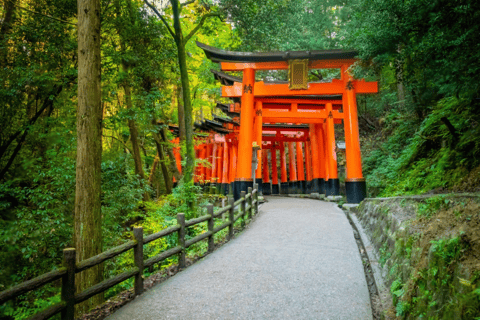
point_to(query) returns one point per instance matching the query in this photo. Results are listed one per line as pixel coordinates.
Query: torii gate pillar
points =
(283, 170)
(267, 188)
(332, 186)
(244, 178)
(258, 139)
(356, 188)
(273, 156)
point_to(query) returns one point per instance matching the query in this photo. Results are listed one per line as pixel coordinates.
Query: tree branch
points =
(123, 142)
(186, 3)
(318, 75)
(199, 25)
(161, 18)
(45, 15)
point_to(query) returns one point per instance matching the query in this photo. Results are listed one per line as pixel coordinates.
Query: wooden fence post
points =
(250, 203)
(68, 284)
(242, 207)
(231, 216)
(138, 257)
(256, 202)
(181, 239)
(211, 224)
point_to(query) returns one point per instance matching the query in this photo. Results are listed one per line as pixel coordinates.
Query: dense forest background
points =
(419, 134)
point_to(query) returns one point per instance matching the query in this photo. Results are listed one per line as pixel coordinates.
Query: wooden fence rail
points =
(248, 202)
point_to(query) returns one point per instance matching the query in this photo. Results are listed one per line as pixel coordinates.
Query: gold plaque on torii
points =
(298, 74)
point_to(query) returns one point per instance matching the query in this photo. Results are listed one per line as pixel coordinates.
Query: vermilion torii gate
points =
(281, 109)
(253, 95)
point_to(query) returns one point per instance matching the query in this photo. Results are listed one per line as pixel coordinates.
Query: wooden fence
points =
(248, 206)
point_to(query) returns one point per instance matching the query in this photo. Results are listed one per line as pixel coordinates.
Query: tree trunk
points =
(171, 155)
(161, 156)
(400, 85)
(187, 104)
(181, 115)
(8, 17)
(152, 171)
(88, 215)
(137, 158)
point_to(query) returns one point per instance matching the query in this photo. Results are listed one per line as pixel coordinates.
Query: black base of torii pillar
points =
(356, 190)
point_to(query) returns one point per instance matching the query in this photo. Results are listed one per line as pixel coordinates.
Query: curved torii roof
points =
(220, 55)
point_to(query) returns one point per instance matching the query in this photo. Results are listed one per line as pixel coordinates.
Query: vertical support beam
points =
(333, 186)
(267, 188)
(198, 170)
(218, 183)
(250, 202)
(225, 167)
(283, 170)
(233, 165)
(68, 284)
(308, 165)
(256, 199)
(178, 161)
(231, 217)
(212, 149)
(302, 187)
(315, 188)
(243, 207)
(292, 168)
(258, 139)
(355, 185)
(203, 156)
(321, 154)
(273, 156)
(244, 167)
(138, 256)
(211, 224)
(181, 239)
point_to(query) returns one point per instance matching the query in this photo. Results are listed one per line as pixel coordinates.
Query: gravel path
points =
(297, 260)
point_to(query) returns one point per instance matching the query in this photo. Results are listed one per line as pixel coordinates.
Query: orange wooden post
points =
(233, 165)
(321, 155)
(300, 169)
(267, 188)
(308, 165)
(315, 160)
(333, 186)
(273, 156)
(292, 168)
(178, 160)
(258, 139)
(283, 170)
(218, 183)
(355, 185)
(225, 168)
(213, 161)
(203, 156)
(325, 156)
(195, 177)
(245, 139)
(208, 172)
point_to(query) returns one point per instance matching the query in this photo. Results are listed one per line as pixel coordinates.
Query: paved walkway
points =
(297, 260)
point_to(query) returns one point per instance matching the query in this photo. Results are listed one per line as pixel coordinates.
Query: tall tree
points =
(88, 215)
(129, 21)
(181, 41)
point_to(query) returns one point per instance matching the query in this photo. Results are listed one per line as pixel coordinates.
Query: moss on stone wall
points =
(429, 247)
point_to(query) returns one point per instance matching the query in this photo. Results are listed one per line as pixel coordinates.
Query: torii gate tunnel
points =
(297, 114)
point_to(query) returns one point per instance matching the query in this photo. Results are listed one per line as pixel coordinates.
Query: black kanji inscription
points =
(349, 85)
